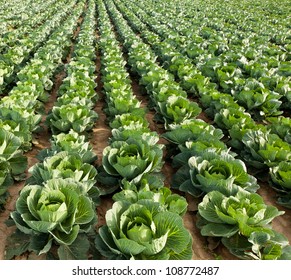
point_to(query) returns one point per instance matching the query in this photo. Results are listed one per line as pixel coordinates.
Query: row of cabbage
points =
(56, 207)
(17, 20)
(230, 208)
(18, 47)
(16, 26)
(277, 79)
(145, 221)
(57, 204)
(136, 226)
(21, 110)
(239, 55)
(261, 147)
(231, 68)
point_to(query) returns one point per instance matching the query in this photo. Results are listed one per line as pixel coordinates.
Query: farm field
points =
(145, 129)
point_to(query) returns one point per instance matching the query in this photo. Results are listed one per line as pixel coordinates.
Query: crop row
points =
(144, 206)
(61, 187)
(21, 109)
(258, 145)
(204, 171)
(17, 20)
(15, 56)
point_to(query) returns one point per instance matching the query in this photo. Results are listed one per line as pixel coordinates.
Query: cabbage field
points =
(145, 129)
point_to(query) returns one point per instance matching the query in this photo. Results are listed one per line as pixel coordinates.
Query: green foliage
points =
(130, 121)
(263, 149)
(132, 158)
(243, 213)
(280, 180)
(143, 230)
(191, 130)
(63, 165)
(57, 211)
(209, 171)
(228, 117)
(11, 152)
(71, 116)
(71, 142)
(176, 109)
(280, 126)
(259, 246)
(12, 121)
(261, 101)
(168, 201)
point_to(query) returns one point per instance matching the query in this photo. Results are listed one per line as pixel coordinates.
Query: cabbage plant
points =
(144, 231)
(281, 176)
(71, 116)
(177, 109)
(132, 158)
(228, 117)
(244, 213)
(63, 165)
(120, 105)
(209, 171)
(204, 143)
(263, 149)
(6, 180)
(56, 212)
(259, 245)
(12, 121)
(281, 182)
(71, 142)
(243, 221)
(189, 130)
(167, 200)
(260, 101)
(281, 126)
(125, 121)
(10, 151)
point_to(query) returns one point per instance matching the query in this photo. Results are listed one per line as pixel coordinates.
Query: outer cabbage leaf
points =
(210, 171)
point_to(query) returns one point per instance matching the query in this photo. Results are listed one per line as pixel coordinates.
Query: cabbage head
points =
(281, 182)
(57, 211)
(63, 165)
(244, 213)
(144, 231)
(210, 171)
(132, 158)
